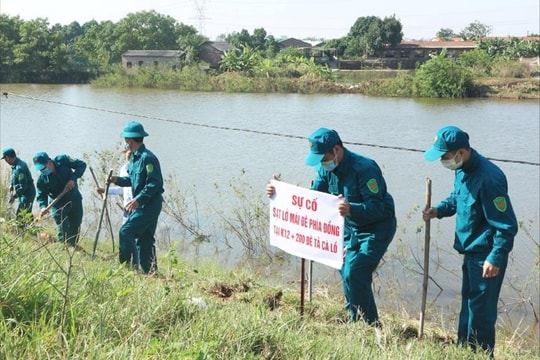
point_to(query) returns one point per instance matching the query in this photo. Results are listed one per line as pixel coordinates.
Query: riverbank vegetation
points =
(58, 302)
(437, 78)
(35, 52)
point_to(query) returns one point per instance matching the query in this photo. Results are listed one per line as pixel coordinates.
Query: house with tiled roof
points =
(132, 59)
(408, 54)
(292, 42)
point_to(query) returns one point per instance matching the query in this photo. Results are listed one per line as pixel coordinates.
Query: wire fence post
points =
(426, 261)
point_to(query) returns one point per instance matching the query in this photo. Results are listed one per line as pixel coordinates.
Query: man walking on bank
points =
(58, 179)
(485, 229)
(146, 181)
(21, 185)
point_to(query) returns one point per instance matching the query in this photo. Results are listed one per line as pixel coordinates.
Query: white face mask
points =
(452, 164)
(330, 164)
(46, 171)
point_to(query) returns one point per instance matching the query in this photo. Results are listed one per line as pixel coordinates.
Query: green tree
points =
(96, 45)
(258, 40)
(239, 40)
(69, 32)
(493, 47)
(339, 44)
(189, 41)
(145, 30)
(9, 37)
(363, 37)
(271, 46)
(370, 33)
(374, 37)
(40, 54)
(478, 61)
(391, 31)
(289, 55)
(361, 26)
(77, 67)
(512, 49)
(531, 48)
(475, 31)
(310, 69)
(445, 34)
(244, 60)
(442, 78)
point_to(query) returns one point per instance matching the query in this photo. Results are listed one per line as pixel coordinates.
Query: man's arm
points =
(500, 216)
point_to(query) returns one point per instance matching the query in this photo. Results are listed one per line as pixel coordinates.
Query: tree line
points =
(34, 52)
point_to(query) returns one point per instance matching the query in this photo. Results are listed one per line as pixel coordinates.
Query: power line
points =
(228, 128)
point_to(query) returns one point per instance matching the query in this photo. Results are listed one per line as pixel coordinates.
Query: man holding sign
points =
(368, 211)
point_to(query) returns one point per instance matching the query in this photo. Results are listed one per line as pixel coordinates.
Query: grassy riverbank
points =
(399, 83)
(58, 303)
(391, 83)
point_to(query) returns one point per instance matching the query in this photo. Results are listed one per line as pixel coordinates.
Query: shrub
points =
(399, 86)
(478, 60)
(442, 78)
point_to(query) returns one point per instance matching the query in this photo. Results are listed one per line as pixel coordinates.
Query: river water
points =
(208, 141)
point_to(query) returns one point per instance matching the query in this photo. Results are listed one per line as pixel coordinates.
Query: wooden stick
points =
(54, 202)
(302, 287)
(45, 210)
(109, 223)
(426, 261)
(102, 212)
(94, 176)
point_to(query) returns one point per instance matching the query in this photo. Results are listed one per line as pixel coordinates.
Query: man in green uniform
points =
(485, 229)
(146, 181)
(58, 179)
(368, 208)
(21, 184)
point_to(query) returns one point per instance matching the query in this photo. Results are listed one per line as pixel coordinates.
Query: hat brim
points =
(39, 167)
(314, 159)
(132, 135)
(433, 154)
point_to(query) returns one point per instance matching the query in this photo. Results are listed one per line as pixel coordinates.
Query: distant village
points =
(405, 55)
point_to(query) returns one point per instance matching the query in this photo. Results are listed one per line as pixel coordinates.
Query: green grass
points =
(57, 303)
(60, 303)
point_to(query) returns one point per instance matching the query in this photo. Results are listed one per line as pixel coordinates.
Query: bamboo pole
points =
(103, 209)
(302, 286)
(426, 261)
(108, 217)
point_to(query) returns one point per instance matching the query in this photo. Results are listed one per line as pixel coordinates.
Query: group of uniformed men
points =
(58, 192)
(485, 221)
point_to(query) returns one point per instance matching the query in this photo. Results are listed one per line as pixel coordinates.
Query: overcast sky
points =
(327, 19)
